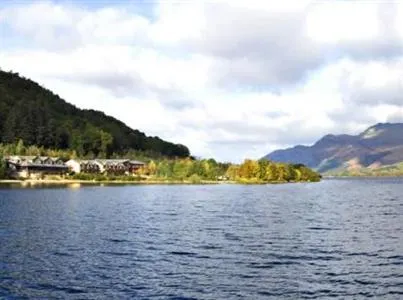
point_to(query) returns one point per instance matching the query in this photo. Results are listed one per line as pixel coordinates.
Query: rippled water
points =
(337, 238)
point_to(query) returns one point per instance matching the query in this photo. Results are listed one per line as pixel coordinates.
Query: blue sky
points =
(230, 79)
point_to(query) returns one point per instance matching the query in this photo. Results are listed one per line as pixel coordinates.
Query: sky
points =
(229, 79)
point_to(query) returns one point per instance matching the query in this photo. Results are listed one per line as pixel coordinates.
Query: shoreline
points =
(33, 182)
(94, 182)
(77, 182)
(361, 177)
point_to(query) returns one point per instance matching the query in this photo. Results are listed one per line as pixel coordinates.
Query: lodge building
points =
(105, 166)
(36, 167)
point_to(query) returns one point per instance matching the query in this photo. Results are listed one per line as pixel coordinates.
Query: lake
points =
(339, 238)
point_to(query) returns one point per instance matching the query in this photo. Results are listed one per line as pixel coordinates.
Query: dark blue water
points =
(335, 239)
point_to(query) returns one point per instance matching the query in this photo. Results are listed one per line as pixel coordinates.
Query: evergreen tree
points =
(2, 167)
(20, 148)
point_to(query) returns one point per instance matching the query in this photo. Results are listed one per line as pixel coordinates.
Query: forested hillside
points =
(39, 117)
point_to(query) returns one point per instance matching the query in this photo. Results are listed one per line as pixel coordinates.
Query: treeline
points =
(181, 169)
(262, 171)
(177, 170)
(38, 117)
(186, 169)
(250, 171)
(19, 148)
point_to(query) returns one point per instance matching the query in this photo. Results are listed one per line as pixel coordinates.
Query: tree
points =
(249, 169)
(33, 150)
(164, 169)
(263, 165)
(181, 169)
(10, 126)
(20, 149)
(272, 172)
(283, 172)
(152, 167)
(106, 143)
(232, 172)
(3, 168)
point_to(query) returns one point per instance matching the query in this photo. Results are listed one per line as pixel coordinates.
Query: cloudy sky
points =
(229, 79)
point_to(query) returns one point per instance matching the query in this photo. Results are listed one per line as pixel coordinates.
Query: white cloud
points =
(228, 79)
(338, 22)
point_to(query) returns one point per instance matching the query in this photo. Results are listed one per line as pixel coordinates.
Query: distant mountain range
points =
(379, 146)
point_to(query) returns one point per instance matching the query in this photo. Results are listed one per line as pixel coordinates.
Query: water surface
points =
(335, 239)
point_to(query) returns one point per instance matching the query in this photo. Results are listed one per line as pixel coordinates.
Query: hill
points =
(39, 117)
(380, 147)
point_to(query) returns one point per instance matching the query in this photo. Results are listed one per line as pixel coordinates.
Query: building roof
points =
(108, 162)
(136, 162)
(21, 157)
(55, 158)
(29, 161)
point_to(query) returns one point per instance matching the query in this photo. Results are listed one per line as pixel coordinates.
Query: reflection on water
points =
(74, 185)
(335, 239)
(38, 185)
(58, 185)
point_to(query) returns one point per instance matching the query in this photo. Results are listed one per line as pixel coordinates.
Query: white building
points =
(113, 166)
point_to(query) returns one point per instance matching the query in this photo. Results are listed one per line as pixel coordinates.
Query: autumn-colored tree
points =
(232, 172)
(152, 168)
(249, 169)
(263, 166)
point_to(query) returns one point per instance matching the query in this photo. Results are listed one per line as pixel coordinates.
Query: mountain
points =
(378, 146)
(39, 117)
